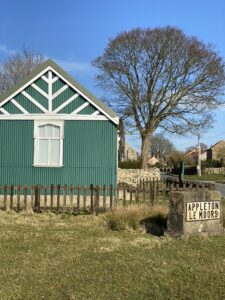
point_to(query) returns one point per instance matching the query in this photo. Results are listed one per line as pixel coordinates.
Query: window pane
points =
(56, 131)
(54, 152)
(48, 130)
(43, 152)
(41, 131)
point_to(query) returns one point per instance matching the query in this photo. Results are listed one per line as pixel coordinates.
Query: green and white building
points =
(53, 131)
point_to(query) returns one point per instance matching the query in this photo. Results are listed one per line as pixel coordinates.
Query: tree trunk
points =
(145, 150)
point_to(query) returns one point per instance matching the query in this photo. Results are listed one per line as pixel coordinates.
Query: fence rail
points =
(91, 199)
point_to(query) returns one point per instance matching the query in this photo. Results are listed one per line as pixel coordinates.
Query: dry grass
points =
(136, 217)
(49, 256)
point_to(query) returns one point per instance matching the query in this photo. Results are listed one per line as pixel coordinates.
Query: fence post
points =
(137, 194)
(97, 200)
(58, 197)
(71, 197)
(131, 194)
(64, 197)
(104, 196)
(32, 196)
(25, 197)
(85, 198)
(124, 193)
(37, 198)
(5, 197)
(52, 196)
(45, 198)
(18, 198)
(151, 192)
(92, 195)
(111, 195)
(11, 197)
(143, 191)
(78, 199)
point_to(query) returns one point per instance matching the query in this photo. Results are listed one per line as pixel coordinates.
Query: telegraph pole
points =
(199, 157)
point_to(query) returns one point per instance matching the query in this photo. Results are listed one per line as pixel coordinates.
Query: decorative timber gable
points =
(49, 92)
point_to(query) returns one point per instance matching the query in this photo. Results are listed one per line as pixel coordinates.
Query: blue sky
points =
(74, 32)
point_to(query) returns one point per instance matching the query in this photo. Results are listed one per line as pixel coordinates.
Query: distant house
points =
(212, 152)
(193, 154)
(130, 153)
(53, 131)
(152, 161)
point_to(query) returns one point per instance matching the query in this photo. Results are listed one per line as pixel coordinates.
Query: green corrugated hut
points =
(53, 131)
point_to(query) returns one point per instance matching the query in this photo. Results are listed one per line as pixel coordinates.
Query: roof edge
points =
(69, 78)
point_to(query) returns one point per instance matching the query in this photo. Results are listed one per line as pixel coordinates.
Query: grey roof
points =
(72, 81)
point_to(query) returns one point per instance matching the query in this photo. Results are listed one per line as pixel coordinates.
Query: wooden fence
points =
(91, 199)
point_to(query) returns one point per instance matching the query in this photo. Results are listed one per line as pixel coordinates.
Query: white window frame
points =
(37, 124)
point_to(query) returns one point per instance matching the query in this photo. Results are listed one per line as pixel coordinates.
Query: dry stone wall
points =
(214, 170)
(133, 176)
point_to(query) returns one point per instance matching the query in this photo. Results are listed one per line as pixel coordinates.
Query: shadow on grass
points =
(155, 225)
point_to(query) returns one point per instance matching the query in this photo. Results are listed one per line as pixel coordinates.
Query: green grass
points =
(207, 177)
(49, 256)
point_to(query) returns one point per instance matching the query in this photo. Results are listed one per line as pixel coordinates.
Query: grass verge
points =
(207, 177)
(47, 256)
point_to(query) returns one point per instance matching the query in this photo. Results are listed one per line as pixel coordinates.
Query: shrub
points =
(136, 217)
(189, 170)
(130, 164)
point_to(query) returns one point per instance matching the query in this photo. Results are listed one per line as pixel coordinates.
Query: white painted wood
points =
(53, 117)
(39, 90)
(44, 78)
(66, 103)
(59, 91)
(96, 113)
(80, 108)
(50, 91)
(20, 107)
(24, 86)
(55, 79)
(4, 111)
(41, 74)
(34, 101)
(37, 123)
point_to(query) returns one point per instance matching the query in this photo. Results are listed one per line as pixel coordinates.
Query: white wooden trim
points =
(41, 74)
(59, 91)
(80, 108)
(95, 113)
(36, 143)
(39, 90)
(113, 119)
(65, 103)
(20, 107)
(44, 78)
(55, 79)
(25, 86)
(4, 111)
(49, 91)
(52, 117)
(34, 101)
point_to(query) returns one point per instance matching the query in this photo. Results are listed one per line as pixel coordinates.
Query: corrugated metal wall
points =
(89, 155)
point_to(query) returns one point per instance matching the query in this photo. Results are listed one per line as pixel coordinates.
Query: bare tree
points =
(191, 148)
(121, 150)
(17, 67)
(161, 78)
(161, 146)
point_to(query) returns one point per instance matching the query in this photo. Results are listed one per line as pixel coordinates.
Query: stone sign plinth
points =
(195, 212)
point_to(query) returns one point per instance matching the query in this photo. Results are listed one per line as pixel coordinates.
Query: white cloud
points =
(6, 50)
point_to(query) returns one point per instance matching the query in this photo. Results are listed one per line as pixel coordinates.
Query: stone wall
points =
(214, 170)
(133, 176)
